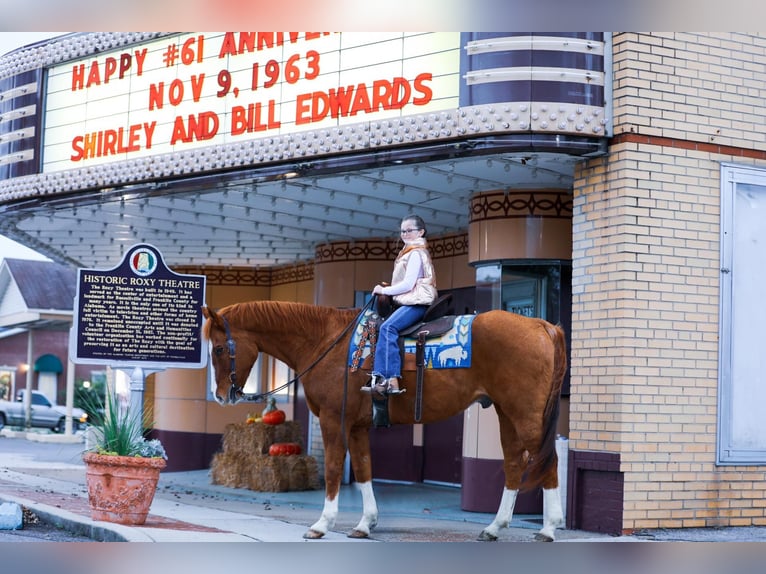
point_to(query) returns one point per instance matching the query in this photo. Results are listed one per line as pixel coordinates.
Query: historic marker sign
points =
(139, 313)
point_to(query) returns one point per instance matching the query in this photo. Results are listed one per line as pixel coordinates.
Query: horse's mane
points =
(276, 314)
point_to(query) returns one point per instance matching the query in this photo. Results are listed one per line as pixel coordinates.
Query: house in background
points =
(36, 302)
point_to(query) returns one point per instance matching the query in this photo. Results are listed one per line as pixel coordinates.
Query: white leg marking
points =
(553, 514)
(327, 519)
(369, 508)
(504, 513)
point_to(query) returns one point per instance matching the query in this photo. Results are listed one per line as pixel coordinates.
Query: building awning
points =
(49, 364)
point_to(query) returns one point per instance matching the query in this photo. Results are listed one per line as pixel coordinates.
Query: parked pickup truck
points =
(43, 413)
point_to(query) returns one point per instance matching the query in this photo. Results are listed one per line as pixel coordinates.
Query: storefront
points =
(553, 183)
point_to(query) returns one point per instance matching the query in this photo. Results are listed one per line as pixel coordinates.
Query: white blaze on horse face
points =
(213, 374)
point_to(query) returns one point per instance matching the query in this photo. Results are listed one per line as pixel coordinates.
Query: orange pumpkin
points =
(274, 417)
(284, 448)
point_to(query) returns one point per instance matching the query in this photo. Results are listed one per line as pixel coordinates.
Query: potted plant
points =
(122, 467)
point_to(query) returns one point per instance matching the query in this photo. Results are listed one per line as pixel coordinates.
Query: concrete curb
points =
(95, 530)
(44, 437)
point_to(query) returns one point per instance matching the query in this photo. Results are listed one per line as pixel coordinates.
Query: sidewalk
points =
(50, 480)
(189, 508)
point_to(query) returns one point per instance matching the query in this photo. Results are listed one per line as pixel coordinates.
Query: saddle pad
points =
(448, 351)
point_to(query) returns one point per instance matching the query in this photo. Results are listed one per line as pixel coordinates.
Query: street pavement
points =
(48, 479)
(195, 526)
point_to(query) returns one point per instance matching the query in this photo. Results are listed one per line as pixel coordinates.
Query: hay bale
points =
(245, 462)
(283, 473)
(243, 439)
(229, 470)
(266, 475)
(302, 472)
(288, 431)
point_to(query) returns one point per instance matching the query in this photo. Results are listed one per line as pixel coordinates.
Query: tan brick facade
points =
(645, 285)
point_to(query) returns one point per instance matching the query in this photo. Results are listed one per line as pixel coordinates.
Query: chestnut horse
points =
(518, 362)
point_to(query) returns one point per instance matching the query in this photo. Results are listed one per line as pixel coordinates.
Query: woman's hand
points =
(377, 290)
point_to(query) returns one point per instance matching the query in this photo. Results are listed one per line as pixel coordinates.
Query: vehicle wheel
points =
(2, 421)
(61, 426)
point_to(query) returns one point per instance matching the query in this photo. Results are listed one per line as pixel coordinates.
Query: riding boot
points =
(392, 386)
(376, 383)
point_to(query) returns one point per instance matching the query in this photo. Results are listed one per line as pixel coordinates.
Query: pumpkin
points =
(284, 449)
(274, 417)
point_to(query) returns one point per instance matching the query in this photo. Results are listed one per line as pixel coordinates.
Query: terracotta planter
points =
(121, 488)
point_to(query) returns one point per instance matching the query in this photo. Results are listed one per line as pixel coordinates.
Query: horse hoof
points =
(313, 534)
(540, 537)
(486, 537)
(358, 534)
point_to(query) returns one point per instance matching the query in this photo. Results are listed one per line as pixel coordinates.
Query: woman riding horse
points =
(413, 287)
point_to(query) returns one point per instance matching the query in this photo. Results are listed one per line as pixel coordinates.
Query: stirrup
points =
(377, 384)
(389, 391)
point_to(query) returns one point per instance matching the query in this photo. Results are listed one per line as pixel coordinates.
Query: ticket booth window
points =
(533, 288)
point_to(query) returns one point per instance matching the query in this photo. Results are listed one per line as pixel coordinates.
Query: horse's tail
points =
(546, 456)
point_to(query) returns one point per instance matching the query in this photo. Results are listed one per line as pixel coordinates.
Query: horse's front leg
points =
(334, 454)
(359, 447)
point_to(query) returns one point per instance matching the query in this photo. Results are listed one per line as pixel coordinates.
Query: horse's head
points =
(231, 360)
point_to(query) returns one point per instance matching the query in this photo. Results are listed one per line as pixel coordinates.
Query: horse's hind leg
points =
(513, 464)
(359, 447)
(503, 516)
(553, 514)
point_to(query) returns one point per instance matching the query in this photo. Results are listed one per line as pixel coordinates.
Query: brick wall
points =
(646, 274)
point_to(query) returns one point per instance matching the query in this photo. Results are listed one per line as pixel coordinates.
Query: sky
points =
(10, 41)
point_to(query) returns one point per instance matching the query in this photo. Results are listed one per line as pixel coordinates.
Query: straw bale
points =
(229, 470)
(245, 462)
(267, 475)
(243, 439)
(284, 473)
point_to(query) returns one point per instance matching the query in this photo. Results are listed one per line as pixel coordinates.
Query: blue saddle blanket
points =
(448, 351)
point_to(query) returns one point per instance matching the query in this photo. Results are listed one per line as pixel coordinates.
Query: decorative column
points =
(507, 227)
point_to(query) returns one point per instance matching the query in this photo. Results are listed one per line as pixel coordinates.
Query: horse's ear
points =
(211, 314)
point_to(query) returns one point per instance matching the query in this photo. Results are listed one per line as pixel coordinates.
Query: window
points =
(534, 288)
(742, 362)
(268, 374)
(7, 383)
(522, 295)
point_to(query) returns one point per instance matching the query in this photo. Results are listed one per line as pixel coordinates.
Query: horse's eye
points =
(218, 351)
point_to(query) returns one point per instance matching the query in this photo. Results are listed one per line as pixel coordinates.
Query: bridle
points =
(235, 391)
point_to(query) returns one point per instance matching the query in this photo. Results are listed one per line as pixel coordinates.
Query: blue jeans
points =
(388, 360)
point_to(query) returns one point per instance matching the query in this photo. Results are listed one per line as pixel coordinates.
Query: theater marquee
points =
(200, 89)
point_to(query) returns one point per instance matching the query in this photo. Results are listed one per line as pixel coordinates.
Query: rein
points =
(235, 391)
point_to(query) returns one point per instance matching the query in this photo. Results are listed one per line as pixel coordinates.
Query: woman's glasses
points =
(404, 231)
